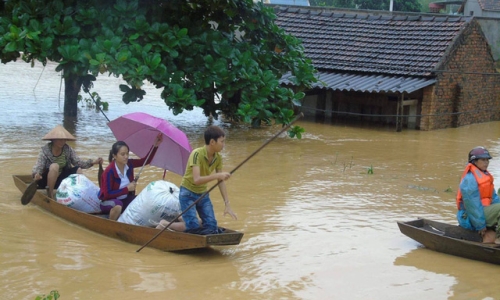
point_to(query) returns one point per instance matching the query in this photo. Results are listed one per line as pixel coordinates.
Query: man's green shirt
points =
(199, 157)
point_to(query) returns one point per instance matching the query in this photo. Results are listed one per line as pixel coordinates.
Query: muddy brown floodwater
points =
(316, 224)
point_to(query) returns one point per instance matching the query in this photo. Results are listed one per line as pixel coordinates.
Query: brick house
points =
(418, 71)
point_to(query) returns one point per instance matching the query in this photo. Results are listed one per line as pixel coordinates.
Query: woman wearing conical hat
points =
(57, 160)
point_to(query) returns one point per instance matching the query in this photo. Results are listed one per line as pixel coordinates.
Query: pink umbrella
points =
(139, 130)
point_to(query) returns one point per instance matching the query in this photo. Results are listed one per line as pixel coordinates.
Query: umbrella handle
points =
(147, 158)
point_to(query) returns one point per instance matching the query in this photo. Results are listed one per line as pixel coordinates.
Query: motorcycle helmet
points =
(479, 152)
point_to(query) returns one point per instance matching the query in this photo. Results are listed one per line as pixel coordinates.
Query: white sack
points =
(79, 192)
(158, 200)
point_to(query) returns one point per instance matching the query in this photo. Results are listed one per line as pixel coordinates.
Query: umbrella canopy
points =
(139, 130)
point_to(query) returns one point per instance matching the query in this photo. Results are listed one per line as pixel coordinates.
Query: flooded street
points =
(317, 225)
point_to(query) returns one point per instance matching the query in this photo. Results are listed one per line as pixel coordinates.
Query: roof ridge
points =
(372, 14)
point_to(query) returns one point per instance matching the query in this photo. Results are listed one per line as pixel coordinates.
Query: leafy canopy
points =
(221, 55)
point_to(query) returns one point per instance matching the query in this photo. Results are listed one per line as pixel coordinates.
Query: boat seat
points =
(463, 234)
(104, 216)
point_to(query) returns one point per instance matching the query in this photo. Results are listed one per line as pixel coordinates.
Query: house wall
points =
(428, 107)
(490, 23)
(333, 105)
(378, 108)
(472, 8)
(490, 14)
(491, 29)
(468, 91)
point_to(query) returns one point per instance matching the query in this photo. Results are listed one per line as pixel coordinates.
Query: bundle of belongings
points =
(158, 200)
(79, 192)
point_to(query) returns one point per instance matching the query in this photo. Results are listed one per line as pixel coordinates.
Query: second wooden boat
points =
(450, 239)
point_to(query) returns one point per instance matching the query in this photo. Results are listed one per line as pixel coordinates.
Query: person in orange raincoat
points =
(477, 201)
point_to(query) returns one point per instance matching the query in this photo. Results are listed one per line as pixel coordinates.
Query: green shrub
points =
(54, 295)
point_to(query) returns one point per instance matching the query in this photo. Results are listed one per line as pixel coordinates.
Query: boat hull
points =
(450, 239)
(139, 235)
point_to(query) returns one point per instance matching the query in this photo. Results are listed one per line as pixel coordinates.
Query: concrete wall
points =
(472, 8)
(490, 23)
(491, 29)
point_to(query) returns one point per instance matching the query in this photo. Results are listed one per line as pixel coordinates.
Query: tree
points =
(407, 5)
(372, 4)
(424, 4)
(333, 3)
(192, 50)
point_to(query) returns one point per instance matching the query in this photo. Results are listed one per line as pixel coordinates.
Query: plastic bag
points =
(158, 200)
(79, 192)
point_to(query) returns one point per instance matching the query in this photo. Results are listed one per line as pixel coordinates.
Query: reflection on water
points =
(464, 286)
(316, 224)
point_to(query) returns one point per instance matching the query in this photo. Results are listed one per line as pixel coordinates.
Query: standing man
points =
(200, 169)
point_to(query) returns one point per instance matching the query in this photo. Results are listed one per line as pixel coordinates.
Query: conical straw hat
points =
(59, 133)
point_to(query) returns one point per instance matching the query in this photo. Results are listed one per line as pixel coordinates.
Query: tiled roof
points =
(367, 83)
(406, 45)
(490, 4)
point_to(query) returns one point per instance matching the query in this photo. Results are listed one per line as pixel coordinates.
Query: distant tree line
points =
(398, 5)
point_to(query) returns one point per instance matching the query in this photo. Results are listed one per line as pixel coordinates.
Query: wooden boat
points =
(140, 235)
(450, 239)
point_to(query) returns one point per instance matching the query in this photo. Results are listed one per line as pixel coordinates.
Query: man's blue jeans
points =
(204, 208)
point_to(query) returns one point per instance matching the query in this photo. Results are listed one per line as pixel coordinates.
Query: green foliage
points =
(407, 5)
(192, 50)
(449, 190)
(332, 3)
(94, 101)
(370, 170)
(54, 295)
(296, 131)
(424, 4)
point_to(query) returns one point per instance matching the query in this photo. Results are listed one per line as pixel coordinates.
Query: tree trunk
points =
(72, 85)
